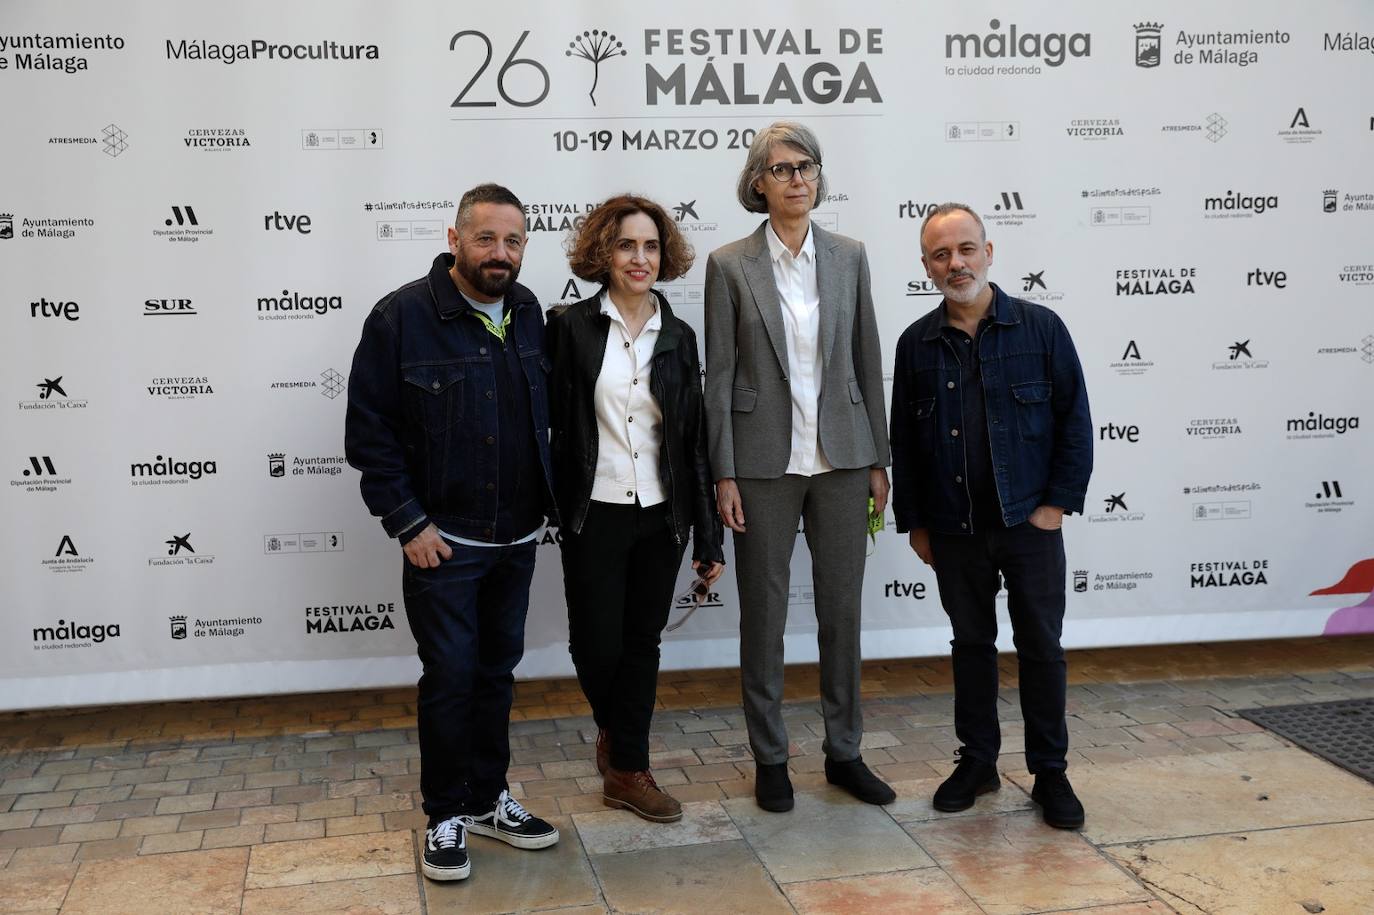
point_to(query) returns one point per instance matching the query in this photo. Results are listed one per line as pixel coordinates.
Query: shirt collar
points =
(608, 308)
(776, 249)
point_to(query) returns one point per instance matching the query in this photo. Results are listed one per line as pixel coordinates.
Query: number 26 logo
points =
(511, 63)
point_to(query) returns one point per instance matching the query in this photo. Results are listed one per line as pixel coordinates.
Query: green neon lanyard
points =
(496, 330)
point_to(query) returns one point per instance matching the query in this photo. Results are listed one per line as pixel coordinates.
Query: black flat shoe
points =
(968, 780)
(856, 778)
(772, 787)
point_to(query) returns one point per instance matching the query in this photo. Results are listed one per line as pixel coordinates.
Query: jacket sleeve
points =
(707, 533)
(905, 500)
(373, 441)
(868, 362)
(721, 312)
(1072, 459)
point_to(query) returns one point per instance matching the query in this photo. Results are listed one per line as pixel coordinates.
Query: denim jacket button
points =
(482, 350)
(434, 385)
(491, 440)
(964, 525)
(958, 479)
(490, 487)
(954, 432)
(950, 385)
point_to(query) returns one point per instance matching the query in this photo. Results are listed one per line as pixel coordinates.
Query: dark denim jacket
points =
(1038, 425)
(422, 419)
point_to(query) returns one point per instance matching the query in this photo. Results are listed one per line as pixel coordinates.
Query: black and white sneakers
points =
(512, 824)
(446, 851)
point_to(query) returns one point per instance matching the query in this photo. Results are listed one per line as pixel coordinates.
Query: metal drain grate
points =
(1339, 732)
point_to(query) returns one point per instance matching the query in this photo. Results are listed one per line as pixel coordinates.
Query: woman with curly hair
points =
(631, 478)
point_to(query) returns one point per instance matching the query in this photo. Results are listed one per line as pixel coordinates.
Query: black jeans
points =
(1032, 563)
(468, 619)
(619, 575)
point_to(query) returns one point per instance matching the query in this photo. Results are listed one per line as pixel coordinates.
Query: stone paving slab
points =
(287, 781)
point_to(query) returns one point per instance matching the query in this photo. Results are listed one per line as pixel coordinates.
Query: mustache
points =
(958, 273)
(495, 265)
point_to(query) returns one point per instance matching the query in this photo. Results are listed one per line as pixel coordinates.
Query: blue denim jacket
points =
(1038, 426)
(422, 421)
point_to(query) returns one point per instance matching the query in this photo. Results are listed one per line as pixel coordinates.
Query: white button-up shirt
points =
(800, 298)
(629, 423)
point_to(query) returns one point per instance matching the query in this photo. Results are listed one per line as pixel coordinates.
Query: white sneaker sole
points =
(525, 842)
(446, 874)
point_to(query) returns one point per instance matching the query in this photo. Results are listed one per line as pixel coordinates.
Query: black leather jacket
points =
(576, 339)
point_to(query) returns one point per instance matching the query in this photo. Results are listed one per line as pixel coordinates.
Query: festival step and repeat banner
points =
(200, 204)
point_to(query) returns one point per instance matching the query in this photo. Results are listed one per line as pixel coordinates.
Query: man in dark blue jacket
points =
(448, 422)
(991, 446)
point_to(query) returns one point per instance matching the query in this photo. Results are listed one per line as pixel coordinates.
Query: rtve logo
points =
(282, 222)
(45, 309)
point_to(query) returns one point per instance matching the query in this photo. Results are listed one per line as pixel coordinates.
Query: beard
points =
(488, 284)
(965, 294)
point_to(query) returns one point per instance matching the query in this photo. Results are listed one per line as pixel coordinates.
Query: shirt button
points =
(491, 440)
(629, 419)
(629, 493)
(636, 381)
(627, 344)
(636, 454)
(958, 479)
(954, 432)
(949, 384)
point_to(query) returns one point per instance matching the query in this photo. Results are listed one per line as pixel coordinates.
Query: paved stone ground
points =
(262, 805)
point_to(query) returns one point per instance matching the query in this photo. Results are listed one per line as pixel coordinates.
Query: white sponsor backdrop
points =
(205, 201)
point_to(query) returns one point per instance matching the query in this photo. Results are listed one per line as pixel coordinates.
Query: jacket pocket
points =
(434, 395)
(742, 400)
(1034, 417)
(923, 423)
(856, 393)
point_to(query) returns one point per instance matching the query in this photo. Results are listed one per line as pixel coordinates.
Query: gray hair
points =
(945, 209)
(788, 133)
(484, 193)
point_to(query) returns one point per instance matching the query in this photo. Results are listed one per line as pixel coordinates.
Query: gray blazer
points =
(748, 399)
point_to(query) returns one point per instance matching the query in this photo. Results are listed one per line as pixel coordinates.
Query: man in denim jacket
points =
(991, 446)
(448, 422)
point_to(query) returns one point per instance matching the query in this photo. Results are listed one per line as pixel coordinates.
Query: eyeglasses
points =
(783, 171)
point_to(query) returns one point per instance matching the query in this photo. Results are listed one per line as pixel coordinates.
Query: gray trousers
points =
(834, 506)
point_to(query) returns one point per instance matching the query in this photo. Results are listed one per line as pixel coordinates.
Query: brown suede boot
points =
(638, 793)
(603, 751)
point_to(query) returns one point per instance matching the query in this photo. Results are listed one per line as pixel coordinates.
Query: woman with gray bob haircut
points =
(788, 133)
(797, 429)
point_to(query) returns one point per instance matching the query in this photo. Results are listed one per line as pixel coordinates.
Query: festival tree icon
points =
(1359, 579)
(595, 46)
